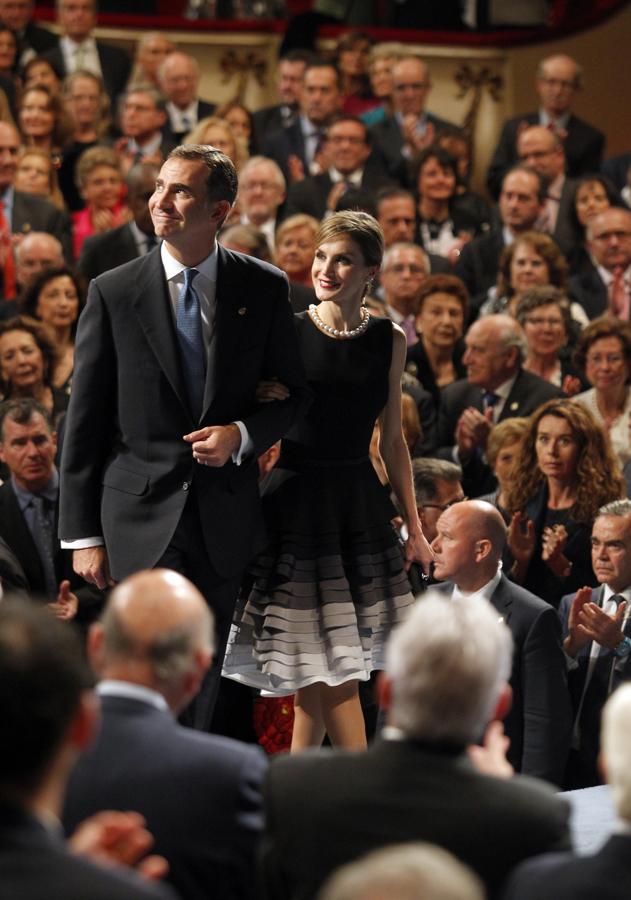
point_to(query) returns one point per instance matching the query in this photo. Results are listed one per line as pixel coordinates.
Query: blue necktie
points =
(189, 331)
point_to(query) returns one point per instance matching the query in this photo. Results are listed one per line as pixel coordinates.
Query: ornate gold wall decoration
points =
(474, 80)
(242, 66)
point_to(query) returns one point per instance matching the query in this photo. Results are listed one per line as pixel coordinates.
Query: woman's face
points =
(295, 251)
(41, 74)
(505, 461)
(239, 121)
(58, 302)
(440, 320)
(36, 116)
(381, 77)
(33, 175)
(339, 271)
(606, 365)
(8, 50)
(436, 182)
(591, 199)
(544, 328)
(354, 60)
(557, 449)
(102, 187)
(221, 140)
(528, 269)
(21, 361)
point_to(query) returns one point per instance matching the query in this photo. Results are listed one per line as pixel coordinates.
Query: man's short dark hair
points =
(299, 55)
(342, 117)
(319, 63)
(21, 411)
(221, 180)
(43, 672)
(394, 193)
(427, 472)
(157, 96)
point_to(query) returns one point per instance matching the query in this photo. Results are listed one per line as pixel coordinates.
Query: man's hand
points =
(578, 635)
(296, 169)
(66, 604)
(118, 838)
(417, 550)
(490, 758)
(215, 444)
(472, 431)
(521, 542)
(417, 142)
(603, 628)
(92, 564)
(272, 389)
(334, 195)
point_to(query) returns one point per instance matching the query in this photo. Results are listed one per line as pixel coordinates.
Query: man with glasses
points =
(261, 195)
(558, 80)
(348, 149)
(436, 488)
(411, 128)
(605, 286)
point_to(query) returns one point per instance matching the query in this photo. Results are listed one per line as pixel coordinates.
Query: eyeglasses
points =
(612, 358)
(559, 82)
(412, 86)
(343, 138)
(443, 506)
(538, 321)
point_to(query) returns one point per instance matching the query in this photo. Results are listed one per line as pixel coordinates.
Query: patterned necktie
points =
(191, 341)
(6, 254)
(618, 295)
(43, 537)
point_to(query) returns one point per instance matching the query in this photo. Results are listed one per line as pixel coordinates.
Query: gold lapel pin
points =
(242, 310)
(514, 406)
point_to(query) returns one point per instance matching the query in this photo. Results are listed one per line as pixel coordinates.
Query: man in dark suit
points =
(200, 795)
(496, 388)
(396, 214)
(27, 448)
(135, 238)
(49, 717)
(559, 78)
(78, 49)
(33, 40)
(347, 144)
(262, 191)
(597, 639)
(445, 680)
(398, 138)
(295, 147)
(605, 286)
(142, 118)
(467, 553)
(178, 77)
(153, 443)
(289, 74)
(521, 203)
(605, 874)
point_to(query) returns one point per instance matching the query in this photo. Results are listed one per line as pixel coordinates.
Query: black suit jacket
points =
(267, 120)
(588, 289)
(34, 214)
(398, 791)
(40, 39)
(478, 263)
(284, 142)
(605, 875)
(34, 863)
(539, 722)
(115, 66)
(201, 795)
(310, 195)
(106, 251)
(584, 146)
(171, 137)
(528, 392)
(388, 145)
(126, 473)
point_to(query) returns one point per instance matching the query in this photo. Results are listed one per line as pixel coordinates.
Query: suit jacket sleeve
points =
(502, 159)
(547, 710)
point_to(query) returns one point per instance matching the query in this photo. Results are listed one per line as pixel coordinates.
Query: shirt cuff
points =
(246, 444)
(82, 543)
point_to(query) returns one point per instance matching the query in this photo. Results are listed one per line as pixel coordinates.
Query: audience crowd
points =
(516, 309)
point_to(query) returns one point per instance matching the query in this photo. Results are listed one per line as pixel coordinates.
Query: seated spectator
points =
(151, 51)
(531, 259)
(565, 472)
(39, 72)
(458, 146)
(88, 105)
(101, 186)
(37, 175)
(604, 285)
(43, 121)
(436, 359)
(592, 195)
(544, 314)
(261, 195)
(603, 354)
(35, 252)
(56, 298)
(295, 249)
(468, 550)
(403, 272)
(503, 447)
(27, 361)
(32, 38)
(239, 118)
(404, 872)
(217, 132)
(200, 794)
(246, 239)
(381, 60)
(445, 680)
(604, 873)
(436, 488)
(178, 79)
(55, 720)
(142, 116)
(351, 56)
(443, 228)
(9, 63)
(411, 424)
(289, 73)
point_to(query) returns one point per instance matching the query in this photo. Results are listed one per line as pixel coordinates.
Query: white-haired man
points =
(445, 680)
(262, 191)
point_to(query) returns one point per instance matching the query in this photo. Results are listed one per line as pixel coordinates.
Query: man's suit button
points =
(186, 485)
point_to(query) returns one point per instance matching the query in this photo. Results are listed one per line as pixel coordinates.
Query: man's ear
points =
(95, 647)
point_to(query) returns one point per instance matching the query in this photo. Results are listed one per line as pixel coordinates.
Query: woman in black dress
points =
(332, 582)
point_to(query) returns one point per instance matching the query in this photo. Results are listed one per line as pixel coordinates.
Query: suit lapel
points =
(229, 299)
(513, 401)
(502, 601)
(19, 538)
(153, 308)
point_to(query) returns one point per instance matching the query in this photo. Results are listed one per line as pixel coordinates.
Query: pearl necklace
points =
(340, 332)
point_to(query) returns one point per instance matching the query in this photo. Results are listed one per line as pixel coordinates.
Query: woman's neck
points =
(45, 141)
(437, 356)
(85, 134)
(438, 210)
(344, 317)
(611, 402)
(543, 364)
(561, 493)
(63, 337)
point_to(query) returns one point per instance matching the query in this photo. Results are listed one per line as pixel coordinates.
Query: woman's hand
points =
(571, 385)
(552, 546)
(417, 550)
(267, 391)
(521, 540)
